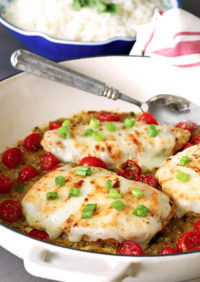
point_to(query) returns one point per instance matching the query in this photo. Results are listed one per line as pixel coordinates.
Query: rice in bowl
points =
(57, 18)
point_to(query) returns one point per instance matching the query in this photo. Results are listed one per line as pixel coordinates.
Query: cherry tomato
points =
(32, 142)
(148, 179)
(55, 167)
(189, 241)
(48, 161)
(92, 161)
(130, 170)
(10, 210)
(27, 174)
(168, 250)
(5, 184)
(197, 226)
(148, 118)
(187, 145)
(129, 248)
(13, 157)
(54, 125)
(108, 117)
(195, 140)
(41, 235)
(186, 124)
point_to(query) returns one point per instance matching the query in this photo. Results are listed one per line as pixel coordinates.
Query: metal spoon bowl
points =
(169, 109)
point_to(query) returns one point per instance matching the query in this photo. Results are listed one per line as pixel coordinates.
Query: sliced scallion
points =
(51, 195)
(74, 192)
(129, 122)
(152, 130)
(108, 184)
(98, 136)
(114, 194)
(88, 211)
(84, 171)
(184, 160)
(110, 126)
(20, 187)
(137, 193)
(88, 132)
(60, 181)
(140, 211)
(94, 123)
(118, 205)
(66, 123)
(182, 176)
(64, 132)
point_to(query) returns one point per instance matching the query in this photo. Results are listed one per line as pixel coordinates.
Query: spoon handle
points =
(27, 61)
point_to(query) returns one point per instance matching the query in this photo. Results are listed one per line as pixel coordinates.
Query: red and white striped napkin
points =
(173, 37)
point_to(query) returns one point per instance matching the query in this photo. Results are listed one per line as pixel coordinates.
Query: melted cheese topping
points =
(118, 146)
(63, 215)
(185, 194)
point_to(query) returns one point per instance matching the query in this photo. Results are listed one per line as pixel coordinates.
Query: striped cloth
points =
(173, 37)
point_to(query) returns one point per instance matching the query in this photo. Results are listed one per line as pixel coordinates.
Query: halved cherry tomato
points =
(48, 161)
(168, 250)
(187, 124)
(129, 248)
(5, 184)
(197, 226)
(148, 118)
(13, 157)
(10, 210)
(195, 140)
(32, 142)
(92, 161)
(148, 179)
(187, 145)
(54, 125)
(130, 170)
(27, 174)
(41, 235)
(189, 241)
(108, 117)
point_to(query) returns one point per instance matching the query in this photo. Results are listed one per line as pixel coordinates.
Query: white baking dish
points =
(27, 101)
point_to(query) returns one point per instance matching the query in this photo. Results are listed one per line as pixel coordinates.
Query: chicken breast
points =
(117, 146)
(179, 178)
(64, 214)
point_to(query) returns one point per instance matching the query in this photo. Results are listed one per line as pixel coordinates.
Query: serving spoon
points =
(169, 109)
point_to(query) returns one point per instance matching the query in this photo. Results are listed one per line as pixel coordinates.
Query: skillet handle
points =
(69, 266)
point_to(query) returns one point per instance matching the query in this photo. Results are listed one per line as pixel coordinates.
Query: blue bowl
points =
(60, 50)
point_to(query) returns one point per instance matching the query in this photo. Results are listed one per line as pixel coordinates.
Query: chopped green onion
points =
(84, 171)
(152, 130)
(64, 132)
(98, 135)
(108, 184)
(60, 181)
(74, 192)
(113, 8)
(114, 194)
(94, 123)
(182, 176)
(66, 123)
(118, 205)
(184, 160)
(76, 5)
(137, 193)
(52, 195)
(110, 126)
(129, 122)
(140, 210)
(88, 132)
(101, 6)
(88, 211)
(20, 187)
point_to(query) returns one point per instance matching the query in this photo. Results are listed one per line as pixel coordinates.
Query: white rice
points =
(57, 18)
